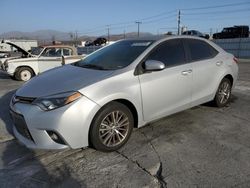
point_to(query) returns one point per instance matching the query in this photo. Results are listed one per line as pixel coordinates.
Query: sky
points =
(94, 17)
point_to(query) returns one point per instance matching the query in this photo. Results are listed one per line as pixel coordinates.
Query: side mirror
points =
(63, 60)
(153, 65)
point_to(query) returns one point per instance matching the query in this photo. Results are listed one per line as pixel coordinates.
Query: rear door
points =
(169, 90)
(207, 68)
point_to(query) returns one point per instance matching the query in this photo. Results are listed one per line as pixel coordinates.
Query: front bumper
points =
(1, 65)
(71, 123)
(6, 69)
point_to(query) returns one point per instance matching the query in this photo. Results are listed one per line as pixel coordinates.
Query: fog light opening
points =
(55, 137)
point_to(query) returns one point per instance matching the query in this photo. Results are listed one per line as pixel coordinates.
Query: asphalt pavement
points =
(200, 147)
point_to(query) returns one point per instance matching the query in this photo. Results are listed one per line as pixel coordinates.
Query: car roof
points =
(163, 37)
(151, 38)
(57, 46)
(61, 46)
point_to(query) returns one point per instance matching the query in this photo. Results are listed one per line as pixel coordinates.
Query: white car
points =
(41, 59)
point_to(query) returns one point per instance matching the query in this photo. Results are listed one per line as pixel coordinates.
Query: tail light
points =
(236, 60)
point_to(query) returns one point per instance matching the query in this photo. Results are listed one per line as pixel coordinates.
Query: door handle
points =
(219, 63)
(186, 72)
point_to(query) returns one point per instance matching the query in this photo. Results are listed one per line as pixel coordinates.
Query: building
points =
(25, 44)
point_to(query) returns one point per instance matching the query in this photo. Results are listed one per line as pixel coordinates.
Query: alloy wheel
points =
(224, 92)
(114, 128)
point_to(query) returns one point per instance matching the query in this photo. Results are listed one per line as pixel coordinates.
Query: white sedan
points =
(100, 99)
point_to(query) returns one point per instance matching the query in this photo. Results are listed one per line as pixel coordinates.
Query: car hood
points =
(61, 79)
(19, 49)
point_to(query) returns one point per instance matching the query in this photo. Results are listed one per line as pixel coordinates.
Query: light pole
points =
(138, 28)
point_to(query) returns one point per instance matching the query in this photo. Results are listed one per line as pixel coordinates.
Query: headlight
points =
(5, 64)
(55, 101)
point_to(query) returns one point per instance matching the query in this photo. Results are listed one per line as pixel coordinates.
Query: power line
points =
(217, 6)
(215, 18)
(218, 12)
(129, 22)
(159, 15)
(159, 19)
(167, 15)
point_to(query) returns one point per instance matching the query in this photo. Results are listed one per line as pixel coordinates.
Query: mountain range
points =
(49, 35)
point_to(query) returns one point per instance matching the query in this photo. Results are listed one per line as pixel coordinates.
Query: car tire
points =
(223, 93)
(111, 127)
(24, 74)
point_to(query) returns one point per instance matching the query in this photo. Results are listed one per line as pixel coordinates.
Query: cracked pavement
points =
(200, 147)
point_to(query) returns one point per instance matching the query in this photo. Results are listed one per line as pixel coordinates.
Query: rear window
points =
(67, 52)
(200, 50)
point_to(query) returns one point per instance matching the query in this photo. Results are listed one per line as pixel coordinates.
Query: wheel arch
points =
(125, 102)
(25, 66)
(131, 107)
(230, 78)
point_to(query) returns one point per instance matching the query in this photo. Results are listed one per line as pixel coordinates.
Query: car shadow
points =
(5, 76)
(4, 111)
(233, 99)
(23, 167)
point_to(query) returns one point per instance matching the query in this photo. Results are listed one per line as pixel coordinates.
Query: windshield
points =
(115, 56)
(36, 50)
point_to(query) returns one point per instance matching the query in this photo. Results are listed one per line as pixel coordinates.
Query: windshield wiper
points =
(91, 66)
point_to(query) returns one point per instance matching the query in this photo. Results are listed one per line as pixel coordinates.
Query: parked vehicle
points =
(241, 31)
(195, 33)
(87, 50)
(98, 42)
(16, 54)
(4, 54)
(99, 100)
(39, 60)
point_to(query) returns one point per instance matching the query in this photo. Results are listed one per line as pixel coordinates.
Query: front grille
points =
(20, 99)
(20, 125)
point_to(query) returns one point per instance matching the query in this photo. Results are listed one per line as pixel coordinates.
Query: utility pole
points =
(71, 35)
(124, 34)
(179, 22)
(108, 27)
(76, 37)
(138, 25)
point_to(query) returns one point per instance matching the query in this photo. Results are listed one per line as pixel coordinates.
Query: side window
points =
(171, 53)
(52, 52)
(200, 50)
(67, 52)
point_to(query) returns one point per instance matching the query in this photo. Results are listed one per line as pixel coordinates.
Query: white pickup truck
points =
(41, 59)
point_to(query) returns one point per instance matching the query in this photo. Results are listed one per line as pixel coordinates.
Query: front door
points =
(167, 91)
(50, 58)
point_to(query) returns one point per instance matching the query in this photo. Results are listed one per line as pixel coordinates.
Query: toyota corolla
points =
(99, 100)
